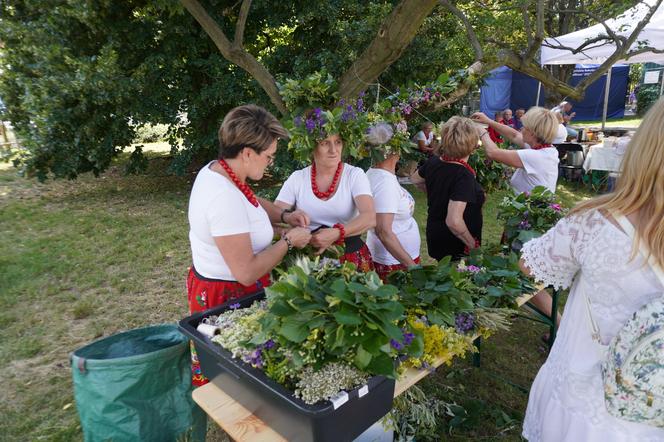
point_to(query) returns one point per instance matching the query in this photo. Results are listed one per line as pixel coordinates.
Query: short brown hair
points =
(542, 123)
(459, 137)
(248, 126)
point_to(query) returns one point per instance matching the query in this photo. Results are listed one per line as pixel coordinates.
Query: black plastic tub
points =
(276, 406)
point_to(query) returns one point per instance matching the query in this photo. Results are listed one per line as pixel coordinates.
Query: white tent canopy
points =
(596, 53)
(652, 35)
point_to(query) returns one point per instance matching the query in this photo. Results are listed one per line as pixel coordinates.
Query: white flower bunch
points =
(315, 386)
(379, 134)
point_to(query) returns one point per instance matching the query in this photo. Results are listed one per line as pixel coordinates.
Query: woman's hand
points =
(324, 238)
(479, 117)
(297, 218)
(298, 236)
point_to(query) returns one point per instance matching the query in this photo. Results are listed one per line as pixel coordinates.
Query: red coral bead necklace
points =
(333, 186)
(462, 162)
(244, 188)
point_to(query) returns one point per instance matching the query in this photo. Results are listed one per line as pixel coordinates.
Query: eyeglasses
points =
(270, 159)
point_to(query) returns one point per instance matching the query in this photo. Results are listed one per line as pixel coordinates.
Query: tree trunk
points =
(394, 35)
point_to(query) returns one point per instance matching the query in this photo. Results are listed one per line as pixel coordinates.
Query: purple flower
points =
(317, 112)
(524, 225)
(408, 338)
(525, 214)
(407, 110)
(310, 125)
(234, 306)
(268, 344)
(396, 345)
(556, 207)
(360, 104)
(297, 121)
(362, 94)
(464, 322)
(255, 358)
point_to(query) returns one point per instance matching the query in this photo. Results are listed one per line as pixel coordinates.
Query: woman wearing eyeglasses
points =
(230, 228)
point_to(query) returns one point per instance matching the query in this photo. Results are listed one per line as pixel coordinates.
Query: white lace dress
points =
(566, 400)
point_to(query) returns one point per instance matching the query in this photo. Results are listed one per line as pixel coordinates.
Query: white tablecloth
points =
(603, 157)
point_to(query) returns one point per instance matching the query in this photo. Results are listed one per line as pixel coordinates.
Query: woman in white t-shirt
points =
(395, 241)
(537, 163)
(230, 228)
(561, 134)
(337, 199)
(424, 138)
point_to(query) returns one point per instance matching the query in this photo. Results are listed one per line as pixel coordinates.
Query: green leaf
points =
(362, 358)
(282, 308)
(382, 364)
(294, 331)
(347, 317)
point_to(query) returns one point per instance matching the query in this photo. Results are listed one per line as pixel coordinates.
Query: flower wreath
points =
(347, 119)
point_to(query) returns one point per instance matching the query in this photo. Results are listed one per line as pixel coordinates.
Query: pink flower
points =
(556, 207)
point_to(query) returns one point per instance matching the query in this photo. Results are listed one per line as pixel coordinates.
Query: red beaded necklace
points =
(333, 186)
(540, 146)
(244, 188)
(462, 162)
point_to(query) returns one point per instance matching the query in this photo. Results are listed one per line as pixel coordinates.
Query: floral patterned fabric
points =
(592, 255)
(205, 293)
(384, 269)
(361, 259)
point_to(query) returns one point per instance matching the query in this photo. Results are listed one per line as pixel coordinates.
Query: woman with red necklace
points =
(230, 228)
(537, 163)
(454, 218)
(337, 198)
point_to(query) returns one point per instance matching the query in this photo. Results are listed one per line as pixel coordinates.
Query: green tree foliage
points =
(79, 77)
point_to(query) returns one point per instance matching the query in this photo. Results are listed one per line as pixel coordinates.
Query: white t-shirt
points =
(218, 208)
(390, 197)
(561, 135)
(340, 208)
(540, 168)
(421, 137)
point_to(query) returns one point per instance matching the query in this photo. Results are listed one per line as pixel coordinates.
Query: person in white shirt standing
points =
(335, 195)
(395, 241)
(230, 228)
(537, 163)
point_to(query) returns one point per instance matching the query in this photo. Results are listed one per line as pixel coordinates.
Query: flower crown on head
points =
(347, 119)
(388, 135)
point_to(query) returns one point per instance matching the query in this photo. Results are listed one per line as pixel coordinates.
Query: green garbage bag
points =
(136, 386)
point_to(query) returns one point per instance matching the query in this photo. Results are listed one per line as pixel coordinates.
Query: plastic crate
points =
(275, 405)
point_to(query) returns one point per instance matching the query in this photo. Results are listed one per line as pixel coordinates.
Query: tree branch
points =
(234, 53)
(394, 35)
(474, 71)
(474, 41)
(535, 43)
(621, 50)
(241, 23)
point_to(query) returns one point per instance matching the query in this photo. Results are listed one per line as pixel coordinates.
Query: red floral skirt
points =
(383, 269)
(362, 259)
(205, 293)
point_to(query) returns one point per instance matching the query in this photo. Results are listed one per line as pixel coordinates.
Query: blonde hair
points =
(641, 185)
(458, 137)
(542, 123)
(559, 117)
(248, 126)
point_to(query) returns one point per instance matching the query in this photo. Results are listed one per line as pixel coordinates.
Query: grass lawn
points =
(84, 259)
(618, 122)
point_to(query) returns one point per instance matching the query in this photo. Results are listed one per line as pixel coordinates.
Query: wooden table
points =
(241, 424)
